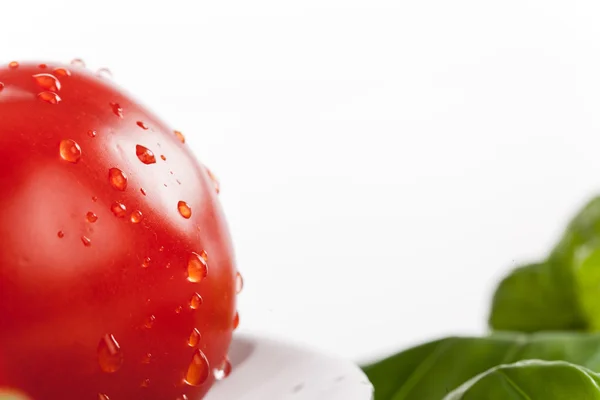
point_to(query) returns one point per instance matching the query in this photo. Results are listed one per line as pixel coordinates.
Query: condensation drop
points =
(117, 109)
(223, 370)
(49, 97)
(147, 358)
(78, 62)
(146, 262)
(143, 191)
(184, 209)
(118, 209)
(62, 72)
(102, 396)
(1, 86)
(92, 133)
(182, 397)
(104, 73)
(87, 242)
(145, 155)
(150, 321)
(178, 309)
(162, 157)
(194, 338)
(117, 179)
(236, 320)
(142, 125)
(197, 268)
(94, 198)
(179, 136)
(136, 217)
(214, 180)
(60, 234)
(239, 283)
(145, 383)
(91, 217)
(204, 255)
(196, 301)
(198, 370)
(110, 356)
(13, 65)
(42, 66)
(69, 150)
(47, 82)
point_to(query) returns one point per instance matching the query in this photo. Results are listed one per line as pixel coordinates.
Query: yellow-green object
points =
(532, 379)
(560, 293)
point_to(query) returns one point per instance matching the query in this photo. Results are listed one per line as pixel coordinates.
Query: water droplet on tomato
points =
(102, 396)
(87, 242)
(197, 268)
(94, 198)
(91, 133)
(60, 234)
(198, 369)
(110, 356)
(184, 209)
(1, 86)
(117, 109)
(91, 217)
(236, 320)
(78, 62)
(136, 217)
(178, 181)
(117, 179)
(47, 82)
(49, 97)
(13, 65)
(62, 72)
(223, 370)
(204, 255)
(142, 125)
(239, 283)
(118, 209)
(150, 321)
(196, 301)
(162, 156)
(69, 150)
(146, 262)
(179, 136)
(194, 338)
(143, 191)
(147, 358)
(42, 66)
(182, 397)
(178, 310)
(104, 73)
(145, 155)
(214, 180)
(145, 383)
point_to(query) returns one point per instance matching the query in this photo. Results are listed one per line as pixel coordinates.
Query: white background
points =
(383, 163)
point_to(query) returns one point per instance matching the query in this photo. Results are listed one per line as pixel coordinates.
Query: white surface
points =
(383, 162)
(267, 369)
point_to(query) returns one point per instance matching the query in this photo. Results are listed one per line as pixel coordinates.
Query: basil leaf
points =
(529, 380)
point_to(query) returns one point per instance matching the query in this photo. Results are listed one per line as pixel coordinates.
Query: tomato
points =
(117, 275)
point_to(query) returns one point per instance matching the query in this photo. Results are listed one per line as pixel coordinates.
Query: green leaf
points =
(431, 370)
(560, 293)
(532, 299)
(531, 380)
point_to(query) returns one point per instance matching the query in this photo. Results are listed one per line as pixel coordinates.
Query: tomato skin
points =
(67, 280)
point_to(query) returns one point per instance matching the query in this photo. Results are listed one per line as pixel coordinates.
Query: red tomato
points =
(117, 276)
